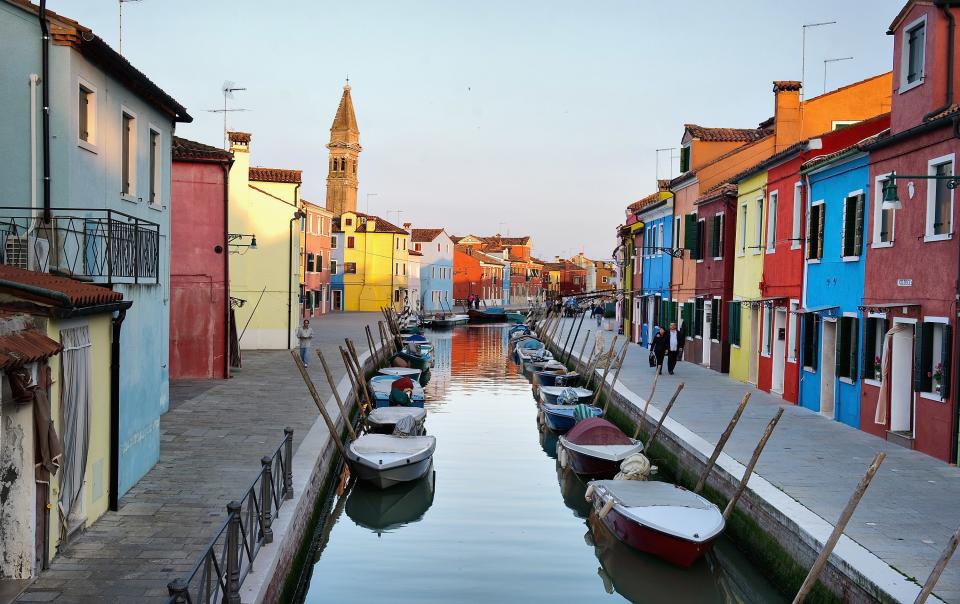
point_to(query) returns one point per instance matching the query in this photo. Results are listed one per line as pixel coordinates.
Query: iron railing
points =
(228, 559)
(96, 244)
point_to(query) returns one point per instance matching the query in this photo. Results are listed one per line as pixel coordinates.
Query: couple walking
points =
(667, 344)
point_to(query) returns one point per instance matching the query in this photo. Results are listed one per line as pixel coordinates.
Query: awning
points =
(883, 306)
(819, 310)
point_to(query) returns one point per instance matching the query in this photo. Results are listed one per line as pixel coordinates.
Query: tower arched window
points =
(343, 164)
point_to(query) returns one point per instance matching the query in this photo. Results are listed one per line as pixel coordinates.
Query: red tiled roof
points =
(239, 137)
(63, 291)
(188, 150)
(717, 191)
(498, 240)
(276, 175)
(784, 85)
(414, 253)
(948, 111)
(423, 235)
(382, 226)
(724, 135)
(455, 239)
(644, 202)
(28, 346)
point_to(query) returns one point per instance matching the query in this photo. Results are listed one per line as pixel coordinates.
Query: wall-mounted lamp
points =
(891, 197)
(231, 237)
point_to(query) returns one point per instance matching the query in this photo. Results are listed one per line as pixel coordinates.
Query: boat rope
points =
(635, 467)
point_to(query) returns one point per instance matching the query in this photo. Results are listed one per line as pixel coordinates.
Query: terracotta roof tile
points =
(276, 175)
(28, 346)
(382, 226)
(717, 191)
(724, 135)
(424, 235)
(948, 111)
(187, 150)
(785, 85)
(239, 137)
(414, 253)
(499, 240)
(64, 292)
(644, 202)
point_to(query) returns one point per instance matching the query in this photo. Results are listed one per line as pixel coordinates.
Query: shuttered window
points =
(701, 239)
(127, 155)
(733, 315)
(852, 227)
(811, 333)
(698, 317)
(684, 159)
(85, 115)
(874, 330)
(815, 232)
(715, 319)
(690, 235)
(687, 317)
(847, 350)
(932, 358)
(716, 236)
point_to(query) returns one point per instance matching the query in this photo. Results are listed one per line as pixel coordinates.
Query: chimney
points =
(240, 168)
(406, 226)
(239, 141)
(786, 116)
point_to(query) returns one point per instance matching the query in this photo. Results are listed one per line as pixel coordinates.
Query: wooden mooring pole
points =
(606, 370)
(584, 347)
(331, 426)
(821, 560)
(753, 462)
(939, 568)
(360, 373)
(372, 345)
(663, 416)
(723, 441)
(616, 376)
(336, 394)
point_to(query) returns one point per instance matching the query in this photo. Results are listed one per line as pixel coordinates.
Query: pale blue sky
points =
(541, 115)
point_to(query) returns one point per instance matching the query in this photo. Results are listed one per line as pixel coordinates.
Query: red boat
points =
(658, 518)
(595, 448)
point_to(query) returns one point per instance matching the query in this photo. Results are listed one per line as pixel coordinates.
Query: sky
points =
(537, 118)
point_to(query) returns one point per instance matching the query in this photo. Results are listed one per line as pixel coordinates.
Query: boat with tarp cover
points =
(385, 460)
(595, 448)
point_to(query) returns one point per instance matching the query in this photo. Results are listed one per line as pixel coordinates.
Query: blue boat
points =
(553, 378)
(559, 418)
(380, 386)
(552, 394)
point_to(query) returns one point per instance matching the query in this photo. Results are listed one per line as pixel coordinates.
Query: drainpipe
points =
(115, 410)
(226, 266)
(45, 78)
(296, 216)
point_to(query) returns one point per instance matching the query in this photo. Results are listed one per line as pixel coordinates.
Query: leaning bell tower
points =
(344, 149)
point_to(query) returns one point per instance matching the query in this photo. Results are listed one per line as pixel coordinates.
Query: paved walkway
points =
(907, 515)
(211, 442)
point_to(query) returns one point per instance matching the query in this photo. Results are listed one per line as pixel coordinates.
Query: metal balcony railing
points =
(96, 244)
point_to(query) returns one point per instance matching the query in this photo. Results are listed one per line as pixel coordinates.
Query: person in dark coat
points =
(659, 345)
(675, 340)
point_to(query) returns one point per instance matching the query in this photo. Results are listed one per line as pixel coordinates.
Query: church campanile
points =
(344, 149)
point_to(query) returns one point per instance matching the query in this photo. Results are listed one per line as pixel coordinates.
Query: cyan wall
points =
(506, 282)
(832, 281)
(656, 263)
(336, 281)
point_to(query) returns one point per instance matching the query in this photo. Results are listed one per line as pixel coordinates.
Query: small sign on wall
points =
(904, 282)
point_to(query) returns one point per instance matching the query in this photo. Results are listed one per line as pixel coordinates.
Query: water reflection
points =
(548, 441)
(384, 510)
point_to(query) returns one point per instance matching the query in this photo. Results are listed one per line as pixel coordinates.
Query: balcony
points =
(104, 246)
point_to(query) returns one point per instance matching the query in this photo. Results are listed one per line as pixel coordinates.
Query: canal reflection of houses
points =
(439, 384)
(486, 352)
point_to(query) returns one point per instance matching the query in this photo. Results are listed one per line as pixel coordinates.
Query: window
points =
(797, 215)
(882, 219)
(660, 236)
(733, 317)
(758, 227)
(852, 226)
(939, 199)
(815, 232)
(715, 319)
(333, 267)
(350, 268)
(874, 332)
(766, 335)
(684, 159)
(333, 242)
(310, 263)
(701, 238)
(86, 114)
(841, 124)
(416, 246)
(847, 354)
(396, 295)
(932, 358)
(794, 320)
(743, 229)
(772, 222)
(348, 221)
(914, 39)
(319, 262)
(811, 334)
(691, 239)
(351, 241)
(716, 238)
(698, 317)
(155, 166)
(128, 155)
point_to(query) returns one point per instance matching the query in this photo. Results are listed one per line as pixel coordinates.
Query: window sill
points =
(792, 360)
(932, 396)
(91, 147)
(156, 207)
(770, 251)
(765, 355)
(717, 258)
(737, 346)
(944, 237)
(795, 246)
(871, 382)
(845, 380)
(850, 259)
(700, 261)
(129, 198)
(809, 369)
(756, 252)
(740, 254)
(905, 87)
(813, 261)
(881, 244)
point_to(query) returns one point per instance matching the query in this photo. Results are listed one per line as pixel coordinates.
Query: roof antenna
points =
(227, 88)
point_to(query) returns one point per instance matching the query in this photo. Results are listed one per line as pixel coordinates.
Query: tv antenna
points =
(228, 88)
(120, 44)
(670, 150)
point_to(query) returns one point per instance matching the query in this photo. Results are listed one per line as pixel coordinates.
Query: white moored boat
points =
(383, 420)
(411, 372)
(385, 460)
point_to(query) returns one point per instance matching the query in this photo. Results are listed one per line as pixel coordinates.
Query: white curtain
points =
(75, 394)
(886, 371)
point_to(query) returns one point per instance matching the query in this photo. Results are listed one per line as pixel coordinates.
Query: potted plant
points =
(937, 377)
(877, 371)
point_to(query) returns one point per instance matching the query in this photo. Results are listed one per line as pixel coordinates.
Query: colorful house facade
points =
(200, 336)
(374, 267)
(316, 229)
(656, 214)
(436, 268)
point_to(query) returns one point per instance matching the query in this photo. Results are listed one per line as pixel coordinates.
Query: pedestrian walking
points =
(598, 313)
(675, 341)
(304, 339)
(659, 347)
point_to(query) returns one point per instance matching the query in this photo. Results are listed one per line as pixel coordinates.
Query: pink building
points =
(315, 289)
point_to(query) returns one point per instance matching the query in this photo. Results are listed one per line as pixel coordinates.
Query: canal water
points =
(497, 520)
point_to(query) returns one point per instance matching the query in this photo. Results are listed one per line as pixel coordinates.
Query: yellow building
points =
(264, 206)
(375, 260)
(748, 272)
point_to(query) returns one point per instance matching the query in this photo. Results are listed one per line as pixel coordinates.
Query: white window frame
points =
(878, 210)
(158, 204)
(843, 217)
(877, 342)
(334, 242)
(932, 197)
(819, 202)
(334, 267)
(796, 233)
(742, 234)
(934, 396)
(701, 238)
(793, 328)
(132, 195)
(720, 216)
(905, 55)
(766, 329)
(773, 202)
(659, 239)
(758, 206)
(92, 123)
(835, 123)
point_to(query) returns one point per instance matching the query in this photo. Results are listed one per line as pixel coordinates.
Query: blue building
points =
(336, 272)
(436, 270)
(658, 236)
(99, 210)
(836, 249)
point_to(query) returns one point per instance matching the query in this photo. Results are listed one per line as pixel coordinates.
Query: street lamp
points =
(891, 197)
(231, 237)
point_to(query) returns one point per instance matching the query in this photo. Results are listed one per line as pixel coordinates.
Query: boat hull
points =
(385, 401)
(478, 316)
(551, 378)
(591, 467)
(558, 422)
(417, 361)
(673, 549)
(385, 479)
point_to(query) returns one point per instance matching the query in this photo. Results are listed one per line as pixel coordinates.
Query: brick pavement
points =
(211, 442)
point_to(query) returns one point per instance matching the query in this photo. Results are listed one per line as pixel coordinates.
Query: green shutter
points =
(869, 348)
(854, 332)
(846, 249)
(923, 357)
(946, 351)
(684, 159)
(843, 348)
(858, 225)
(689, 231)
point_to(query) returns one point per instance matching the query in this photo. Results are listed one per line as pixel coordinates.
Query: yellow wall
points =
(747, 269)
(267, 269)
(376, 254)
(97, 476)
